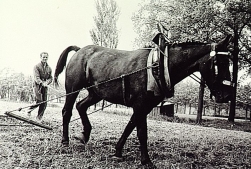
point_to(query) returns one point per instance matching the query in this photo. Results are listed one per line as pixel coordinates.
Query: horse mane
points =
(190, 43)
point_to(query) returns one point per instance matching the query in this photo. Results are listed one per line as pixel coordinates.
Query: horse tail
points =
(62, 62)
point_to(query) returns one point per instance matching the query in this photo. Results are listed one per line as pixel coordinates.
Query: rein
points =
(100, 83)
(196, 78)
(213, 53)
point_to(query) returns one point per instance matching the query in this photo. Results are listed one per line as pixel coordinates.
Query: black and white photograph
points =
(125, 84)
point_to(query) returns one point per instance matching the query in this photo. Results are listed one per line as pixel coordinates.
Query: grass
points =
(173, 143)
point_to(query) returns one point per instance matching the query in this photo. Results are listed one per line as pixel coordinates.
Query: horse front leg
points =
(128, 130)
(137, 120)
(142, 136)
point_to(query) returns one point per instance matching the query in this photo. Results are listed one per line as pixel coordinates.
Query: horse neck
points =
(184, 61)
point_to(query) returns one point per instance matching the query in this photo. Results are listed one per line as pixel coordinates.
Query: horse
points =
(120, 77)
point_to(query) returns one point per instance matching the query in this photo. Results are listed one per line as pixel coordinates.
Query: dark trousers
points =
(42, 106)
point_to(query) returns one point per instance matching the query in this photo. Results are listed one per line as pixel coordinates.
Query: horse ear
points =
(227, 39)
(156, 38)
(159, 28)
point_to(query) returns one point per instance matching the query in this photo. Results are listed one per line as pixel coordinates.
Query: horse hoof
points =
(116, 158)
(65, 143)
(81, 138)
(149, 165)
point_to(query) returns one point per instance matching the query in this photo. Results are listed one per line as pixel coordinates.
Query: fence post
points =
(219, 110)
(246, 114)
(190, 108)
(185, 108)
(214, 109)
(103, 104)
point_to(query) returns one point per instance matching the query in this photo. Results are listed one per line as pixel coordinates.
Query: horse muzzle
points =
(222, 97)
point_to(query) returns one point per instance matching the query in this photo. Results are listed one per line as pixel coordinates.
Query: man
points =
(42, 78)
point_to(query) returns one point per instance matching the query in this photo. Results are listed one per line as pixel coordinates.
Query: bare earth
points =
(172, 144)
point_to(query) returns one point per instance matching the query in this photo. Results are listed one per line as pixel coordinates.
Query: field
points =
(173, 143)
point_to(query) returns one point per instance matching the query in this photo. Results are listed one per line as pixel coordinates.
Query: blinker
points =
(212, 53)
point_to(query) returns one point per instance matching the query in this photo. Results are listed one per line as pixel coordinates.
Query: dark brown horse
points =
(94, 65)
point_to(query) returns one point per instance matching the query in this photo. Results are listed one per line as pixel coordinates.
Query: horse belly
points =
(122, 90)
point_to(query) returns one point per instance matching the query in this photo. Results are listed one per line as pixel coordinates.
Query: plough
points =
(28, 120)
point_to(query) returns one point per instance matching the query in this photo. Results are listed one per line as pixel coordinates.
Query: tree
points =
(105, 32)
(184, 22)
(200, 101)
(236, 16)
(202, 20)
(15, 86)
(184, 19)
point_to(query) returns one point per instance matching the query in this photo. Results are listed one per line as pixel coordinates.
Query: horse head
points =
(216, 71)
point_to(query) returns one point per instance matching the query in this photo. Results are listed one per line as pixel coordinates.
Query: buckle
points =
(228, 83)
(223, 53)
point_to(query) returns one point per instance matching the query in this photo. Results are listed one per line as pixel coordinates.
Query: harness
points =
(158, 77)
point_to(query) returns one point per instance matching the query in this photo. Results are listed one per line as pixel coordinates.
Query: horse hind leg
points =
(82, 107)
(67, 113)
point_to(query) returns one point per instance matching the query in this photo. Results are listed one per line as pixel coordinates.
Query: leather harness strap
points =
(164, 73)
(124, 89)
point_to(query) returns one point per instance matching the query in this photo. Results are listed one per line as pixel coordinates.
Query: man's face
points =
(44, 57)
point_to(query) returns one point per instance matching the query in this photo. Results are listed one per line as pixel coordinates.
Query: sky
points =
(29, 27)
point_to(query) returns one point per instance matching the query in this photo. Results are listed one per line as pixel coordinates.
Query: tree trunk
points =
(103, 104)
(231, 116)
(200, 101)
(235, 76)
(246, 112)
(190, 108)
(185, 108)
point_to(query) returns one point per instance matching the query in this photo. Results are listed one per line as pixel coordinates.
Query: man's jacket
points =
(42, 73)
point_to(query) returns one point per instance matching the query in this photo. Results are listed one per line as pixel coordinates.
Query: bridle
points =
(215, 64)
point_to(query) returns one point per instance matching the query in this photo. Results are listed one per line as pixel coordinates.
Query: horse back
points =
(93, 65)
(104, 63)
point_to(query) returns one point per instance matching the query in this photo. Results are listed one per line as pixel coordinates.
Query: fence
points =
(215, 110)
(243, 110)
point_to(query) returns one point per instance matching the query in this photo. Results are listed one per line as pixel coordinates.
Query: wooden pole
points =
(200, 101)
(28, 120)
(235, 76)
